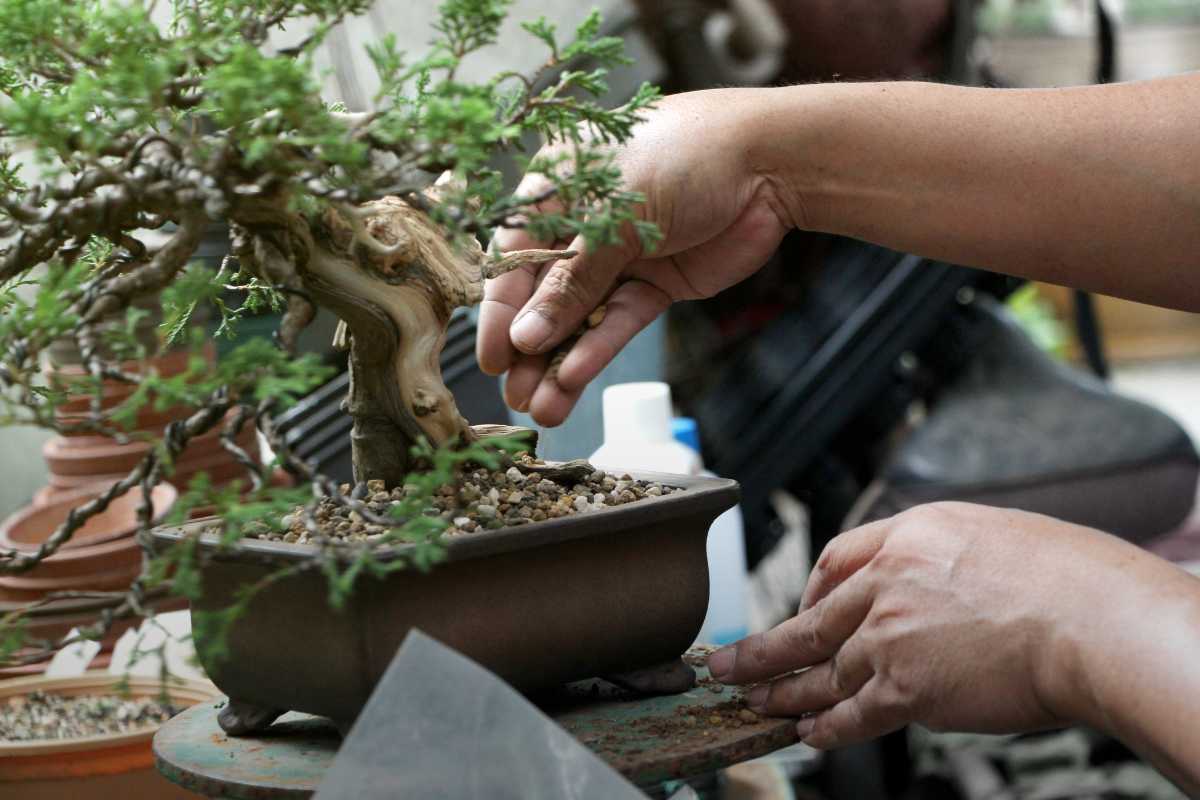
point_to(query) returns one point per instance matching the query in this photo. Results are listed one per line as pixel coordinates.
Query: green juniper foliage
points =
(141, 123)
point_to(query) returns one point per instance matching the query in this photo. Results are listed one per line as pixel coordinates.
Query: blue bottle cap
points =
(685, 431)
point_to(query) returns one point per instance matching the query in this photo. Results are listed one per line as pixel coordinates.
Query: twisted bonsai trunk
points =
(394, 277)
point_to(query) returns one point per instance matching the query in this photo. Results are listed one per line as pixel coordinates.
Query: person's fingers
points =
(809, 638)
(504, 296)
(844, 556)
(816, 688)
(502, 299)
(551, 403)
(568, 292)
(523, 379)
(633, 306)
(867, 715)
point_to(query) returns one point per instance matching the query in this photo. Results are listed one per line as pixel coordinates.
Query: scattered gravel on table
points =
(40, 716)
(529, 490)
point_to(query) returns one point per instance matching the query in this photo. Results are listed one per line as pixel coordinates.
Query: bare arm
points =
(1095, 187)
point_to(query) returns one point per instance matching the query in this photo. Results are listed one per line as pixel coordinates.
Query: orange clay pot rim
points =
(162, 497)
(189, 691)
(169, 358)
(69, 447)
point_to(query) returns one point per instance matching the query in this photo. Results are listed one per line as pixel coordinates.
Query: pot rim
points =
(188, 690)
(701, 495)
(162, 499)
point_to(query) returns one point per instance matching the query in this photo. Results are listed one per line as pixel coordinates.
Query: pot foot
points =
(238, 718)
(670, 677)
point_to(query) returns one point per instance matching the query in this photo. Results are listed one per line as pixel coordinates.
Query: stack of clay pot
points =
(86, 459)
(104, 554)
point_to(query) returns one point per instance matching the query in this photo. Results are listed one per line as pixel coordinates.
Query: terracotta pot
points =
(111, 767)
(106, 558)
(608, 591)
(111, 396)
(113, 392)
(102, 459)
(102, 456)
(111, 566)
(29, 527)
(147, 419)
(101, 661)
(170, 363)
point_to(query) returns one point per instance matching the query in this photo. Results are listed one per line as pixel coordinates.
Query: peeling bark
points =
(394, 278)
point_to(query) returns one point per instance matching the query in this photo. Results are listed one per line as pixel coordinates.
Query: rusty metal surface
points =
(283, 763)
(649, 740)
(600, 593)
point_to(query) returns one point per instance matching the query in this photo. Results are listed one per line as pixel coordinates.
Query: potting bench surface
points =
(647, 739)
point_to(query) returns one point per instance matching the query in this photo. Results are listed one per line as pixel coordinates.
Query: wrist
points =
(1115, 640)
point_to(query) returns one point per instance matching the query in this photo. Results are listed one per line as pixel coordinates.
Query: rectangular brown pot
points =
(600, 592)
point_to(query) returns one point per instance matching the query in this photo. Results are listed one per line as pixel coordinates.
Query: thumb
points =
(566, 294)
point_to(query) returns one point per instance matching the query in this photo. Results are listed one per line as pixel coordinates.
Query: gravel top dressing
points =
(528, 491)
(40, 716)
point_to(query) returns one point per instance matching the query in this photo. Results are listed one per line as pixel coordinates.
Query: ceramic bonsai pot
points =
(602, 592)
(107, 767)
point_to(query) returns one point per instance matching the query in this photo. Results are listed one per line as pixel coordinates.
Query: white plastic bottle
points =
(727, 619)
(637, 432)
(640, 434)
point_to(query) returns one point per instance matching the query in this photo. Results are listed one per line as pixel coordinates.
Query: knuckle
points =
(757, 651)
(837, 680)
(897, 690)
(563, 289)
(811, 637)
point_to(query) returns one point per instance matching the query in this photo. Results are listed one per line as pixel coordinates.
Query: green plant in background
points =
(1037, 317)
(145, 123)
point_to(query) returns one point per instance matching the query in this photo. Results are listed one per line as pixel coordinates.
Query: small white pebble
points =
(654, 491)
(515, 475)
(461, 522)
(494, 496)
(623, 485)
(582, 504)
(598, 498)
(515, 497)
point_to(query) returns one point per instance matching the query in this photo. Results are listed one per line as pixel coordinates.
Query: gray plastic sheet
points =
(441, 726)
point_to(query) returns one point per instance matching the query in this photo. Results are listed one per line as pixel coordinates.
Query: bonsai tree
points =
(130, 129)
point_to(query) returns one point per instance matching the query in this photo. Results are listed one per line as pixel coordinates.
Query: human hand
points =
(720, 220)
(951, 615)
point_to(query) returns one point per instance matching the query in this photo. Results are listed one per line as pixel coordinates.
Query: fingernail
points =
(531, 331)
(757, 698)
(805, 726)
(720, 663)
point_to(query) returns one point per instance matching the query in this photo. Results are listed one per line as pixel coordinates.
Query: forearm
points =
(1125, 661)
(1094, 187)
